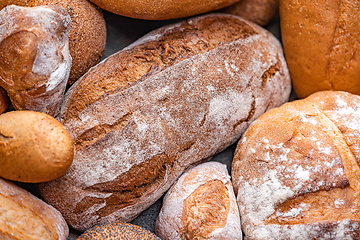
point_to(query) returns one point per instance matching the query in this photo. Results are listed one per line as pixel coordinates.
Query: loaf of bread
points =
(34, 56)
(321, 44)
(87, 35)
(117, 231)
(24, 216)
(296, 170)
(257, 11)
(200, 205)
(170, 100)
(161, 9)
(34, 147)
(4, 101)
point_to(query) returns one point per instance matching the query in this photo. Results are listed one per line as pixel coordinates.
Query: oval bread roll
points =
(24, 216)
(161, 9)
(34, 56)
(321, 44)
(172, 99)
(296, 170)
(200, 205)
(34, 147)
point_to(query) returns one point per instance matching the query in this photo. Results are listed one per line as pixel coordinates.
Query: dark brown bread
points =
(170, 100)
(296, 170)
(4, 101)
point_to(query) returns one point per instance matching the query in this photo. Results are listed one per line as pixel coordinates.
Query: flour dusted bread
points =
(200, 205)
(171, 100)
(34, 56)
(296, 170)
(321, 44)
(24, 216)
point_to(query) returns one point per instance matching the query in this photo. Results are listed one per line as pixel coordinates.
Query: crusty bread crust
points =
(200, 205)
(296, 170)
(172, 99)
(24, 216)
(321, 44)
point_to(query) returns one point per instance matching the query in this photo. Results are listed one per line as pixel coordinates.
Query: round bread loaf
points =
(34, 56)
(87, 35)
(24, 216)
(161, 9)
(170, 100)
(200, 205)
(34, 147)
(117, 231)
(296, 170)
(257, 11)
(4, 101)
(321, 44)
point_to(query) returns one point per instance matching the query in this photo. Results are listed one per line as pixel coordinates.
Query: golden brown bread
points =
(4, 101)
(24, 216)
(296, 170)
(117, 231)
(321, 44)
(34, 56)
(34, 147)
(161, 9)
(87, 35)
(170, 100)
(201, 204)
(257, 11)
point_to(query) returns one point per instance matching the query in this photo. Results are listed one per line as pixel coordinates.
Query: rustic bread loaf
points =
(34, 56)
(200, 205)
(296, 170)
(161, 9)
(172, 99)
(4, 101)
(87, 35)
(321, 44)
(24, 216)
(117, 231)
(34, 147)
(257, 11)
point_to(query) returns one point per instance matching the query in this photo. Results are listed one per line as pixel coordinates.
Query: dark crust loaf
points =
(257, 11)
(296, 170)
(87, 37)
(195, 88)
(117, 231)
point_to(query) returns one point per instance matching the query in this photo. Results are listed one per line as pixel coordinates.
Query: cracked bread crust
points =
(321, 44)
(296, 170)
(134, 141)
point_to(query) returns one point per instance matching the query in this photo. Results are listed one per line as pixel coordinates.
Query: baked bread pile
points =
(107, 140)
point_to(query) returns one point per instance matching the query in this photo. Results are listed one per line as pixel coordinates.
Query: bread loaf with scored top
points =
(170, 100)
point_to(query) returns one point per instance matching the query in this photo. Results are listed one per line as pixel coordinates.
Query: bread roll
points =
(296, 170)
(161, 9)
(172, 99)
(117, 231)
(4, 101)
(87, 35)
(34, 147)
(34, 56)
(200, 205)
(321, 44)
(24, 216)
(257, 11)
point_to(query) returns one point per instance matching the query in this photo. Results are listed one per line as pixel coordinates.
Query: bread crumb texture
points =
(296, 170)
(117, 231)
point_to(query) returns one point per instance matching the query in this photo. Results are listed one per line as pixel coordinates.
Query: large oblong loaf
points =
(296, 170)
(171, 100)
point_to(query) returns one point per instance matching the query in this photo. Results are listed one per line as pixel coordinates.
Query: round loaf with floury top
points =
(172, 99)
(296, 170)
(200, 205)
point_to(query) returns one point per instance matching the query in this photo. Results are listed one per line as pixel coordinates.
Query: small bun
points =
(117, 231)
